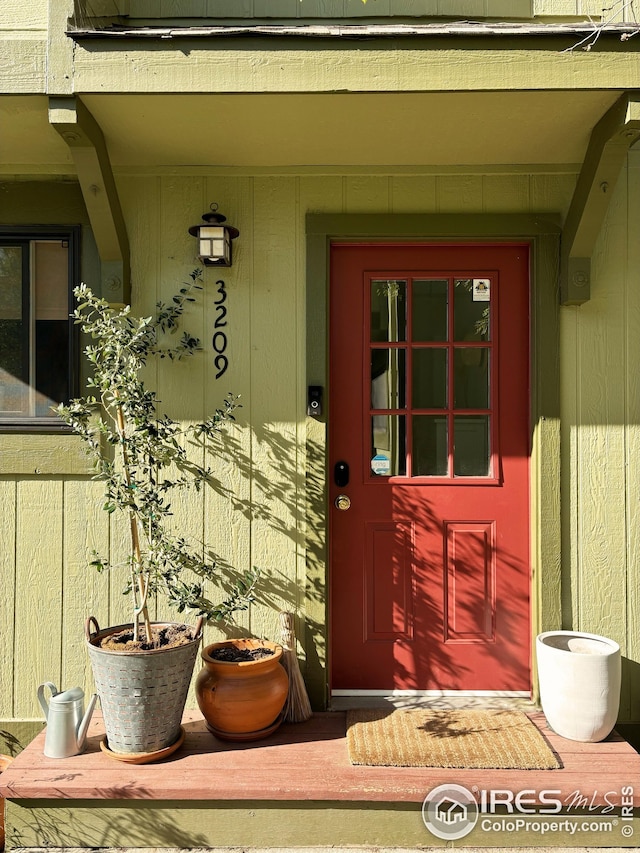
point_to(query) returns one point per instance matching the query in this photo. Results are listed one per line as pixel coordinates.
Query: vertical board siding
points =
(254, 514)
(275, 368)
(39, 591)
(7, 597)
(602, 564)
(600, 417)
(180, 383)
(456, 193)
(631, 700)
(86, 529)
(228, 509)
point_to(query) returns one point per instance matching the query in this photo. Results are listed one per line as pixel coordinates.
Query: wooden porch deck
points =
(295, 788)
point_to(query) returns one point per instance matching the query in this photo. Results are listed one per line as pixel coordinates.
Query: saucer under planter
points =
(580, 677)
(242, 700)
(142, 693)
(144, 757)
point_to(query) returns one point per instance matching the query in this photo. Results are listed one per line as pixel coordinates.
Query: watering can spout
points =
(84, 723)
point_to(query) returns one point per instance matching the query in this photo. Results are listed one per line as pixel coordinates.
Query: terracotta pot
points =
(242, 700)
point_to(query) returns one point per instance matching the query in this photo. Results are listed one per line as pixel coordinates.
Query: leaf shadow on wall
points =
(272, 499)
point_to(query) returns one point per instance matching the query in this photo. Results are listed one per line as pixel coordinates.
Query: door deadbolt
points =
(341, 474)
(343, 502)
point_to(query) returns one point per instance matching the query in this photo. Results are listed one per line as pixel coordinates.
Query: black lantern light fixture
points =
(214, 239)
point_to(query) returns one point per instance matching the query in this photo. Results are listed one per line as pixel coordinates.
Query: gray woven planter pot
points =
(142, 694)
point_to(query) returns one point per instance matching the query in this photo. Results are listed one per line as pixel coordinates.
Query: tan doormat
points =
(457, 739)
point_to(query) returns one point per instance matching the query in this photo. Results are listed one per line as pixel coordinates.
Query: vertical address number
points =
(219, 339)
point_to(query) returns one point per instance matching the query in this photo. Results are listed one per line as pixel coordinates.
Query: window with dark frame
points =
(38, 269)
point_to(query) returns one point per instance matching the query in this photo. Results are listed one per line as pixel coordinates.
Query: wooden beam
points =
(81, 132)
(610, 141)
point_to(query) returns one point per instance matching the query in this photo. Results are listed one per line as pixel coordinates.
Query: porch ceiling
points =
(291, 130)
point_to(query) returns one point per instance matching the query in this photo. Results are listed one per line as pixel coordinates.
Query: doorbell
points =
(314, 401)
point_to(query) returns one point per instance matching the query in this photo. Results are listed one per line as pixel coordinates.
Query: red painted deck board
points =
(303, 762)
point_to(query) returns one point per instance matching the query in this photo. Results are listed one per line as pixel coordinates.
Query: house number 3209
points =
(219, 339)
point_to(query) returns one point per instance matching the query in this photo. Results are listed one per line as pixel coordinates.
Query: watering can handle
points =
(42, 700)
(87, 628)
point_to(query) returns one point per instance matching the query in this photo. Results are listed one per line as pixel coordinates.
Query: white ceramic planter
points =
(579, 678)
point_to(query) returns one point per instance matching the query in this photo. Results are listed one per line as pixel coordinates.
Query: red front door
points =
(429, 467)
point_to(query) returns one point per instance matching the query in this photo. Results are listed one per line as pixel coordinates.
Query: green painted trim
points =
(543, 232)
(59, 48)
(192, 824)
(546, 529)
(183, 824)
(458, 226)
(27, 454)
(279, 66)
(317, 621)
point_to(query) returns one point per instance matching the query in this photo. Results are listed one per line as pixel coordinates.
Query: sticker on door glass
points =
(381, 465)
(481, 290)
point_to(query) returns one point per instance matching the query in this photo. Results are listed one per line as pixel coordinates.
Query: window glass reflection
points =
(472, 309)
(388, 445)
(14, 370)
(471, 385)
(429, 378)
(430, 446)
(388, 378)
(388, 310)
(471, 446)
(429, 311)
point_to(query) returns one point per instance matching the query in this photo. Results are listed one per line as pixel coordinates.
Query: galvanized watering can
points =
(67, 722)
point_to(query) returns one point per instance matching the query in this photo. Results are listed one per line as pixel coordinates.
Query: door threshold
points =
(343, 700)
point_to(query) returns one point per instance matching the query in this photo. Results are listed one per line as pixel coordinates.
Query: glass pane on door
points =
(388, 310)
(471, 446)
(471, 309)
(429, 378)
(431, 355)
(471, 385)
(430, 449)
(388, 447)
(430, 310)
(388, 378)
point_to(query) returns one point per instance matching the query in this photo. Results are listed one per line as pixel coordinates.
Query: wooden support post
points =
(610, 140)
(81, 132)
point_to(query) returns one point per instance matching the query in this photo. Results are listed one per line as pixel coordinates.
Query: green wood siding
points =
(260, 511)
(333, 9)
(255, 515)
(601, 440)
(238, 9)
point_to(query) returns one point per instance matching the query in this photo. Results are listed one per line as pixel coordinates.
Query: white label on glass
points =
(481, 290)
(381, 465)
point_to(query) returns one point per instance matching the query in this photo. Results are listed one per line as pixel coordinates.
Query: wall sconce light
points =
(214, 239)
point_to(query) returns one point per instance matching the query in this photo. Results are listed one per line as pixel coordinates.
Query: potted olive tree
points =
(142, 670)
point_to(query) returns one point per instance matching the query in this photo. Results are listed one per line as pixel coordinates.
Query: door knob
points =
(343, 502)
